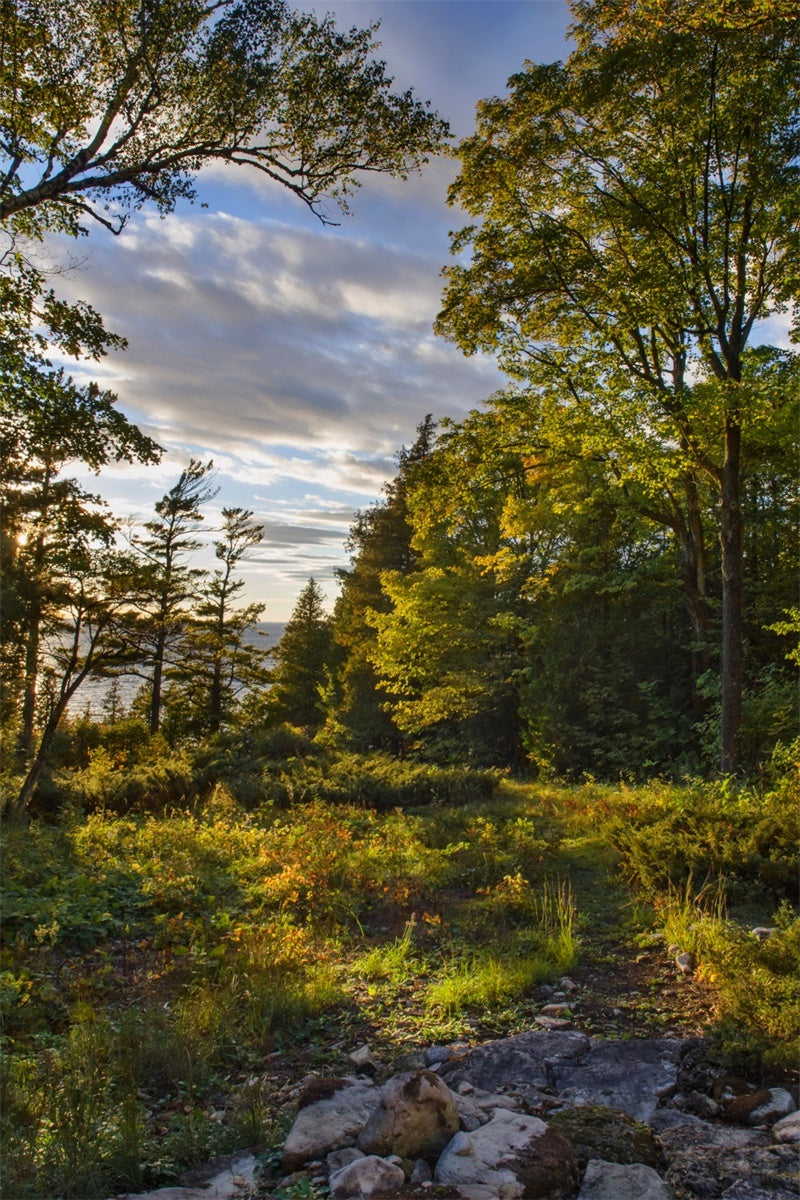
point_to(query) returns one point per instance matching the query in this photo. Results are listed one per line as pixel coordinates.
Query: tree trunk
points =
(693, 576)
(731, 540)
(158, 675)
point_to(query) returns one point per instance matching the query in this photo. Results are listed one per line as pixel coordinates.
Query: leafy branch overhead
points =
(109, 106)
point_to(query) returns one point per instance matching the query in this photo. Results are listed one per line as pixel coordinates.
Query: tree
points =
(89, 636)
(167, 583)
(301, 658)
(46, 422)
(379, 541)
(215, 661)
(107, 107)
(637, 219)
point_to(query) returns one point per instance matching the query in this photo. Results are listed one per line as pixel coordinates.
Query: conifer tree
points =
(301, 658)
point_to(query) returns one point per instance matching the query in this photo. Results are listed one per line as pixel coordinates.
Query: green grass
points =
(150, 961)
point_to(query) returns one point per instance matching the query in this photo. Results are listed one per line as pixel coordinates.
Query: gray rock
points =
(780, 1104)
(630, 1075)
(524, 1064)
(337, 1159)
(362, 1060)
(788, 1128)
(233, 1181)
(422, 1173)
(762, 932)
(329, 1124)
(366, 1176)
(706, 1158)
(416, 1117)
(514, 1155)
(743, 1189)
(622, 1181)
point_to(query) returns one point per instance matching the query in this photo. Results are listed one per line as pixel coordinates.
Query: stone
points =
(629, 1075)
(763, 932)
(595, 1131)
(622, 1181)
(568, 985)
(707, 1158)
(362, 1060)
(555, 1010)
(743, 1189)
(552, 1022)
(515, 1155)
(788, 1128)
(780, 1104)
(422, 1173)
(337, 1159)
(416, 1117)
(329, 1124)
(228, 1178)
(685, 962)
(364, 1177)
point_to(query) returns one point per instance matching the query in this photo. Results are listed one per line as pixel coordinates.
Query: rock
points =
(780, 1104)
(422, 1173)
(552, 1022)
(338, 1159)
(631, 1075)
(742, 1189)
(329, 1124)
(619, 1181)
(320, 1087)
(788, 1128)
(685, 962)
(568, 985)
(741, 1107)
(706, 1158)
(362, 1060)
(364, 1177)
(524, 1063)
(416, 1117)
(230, 1181)
(555, 1010)
(703, 1105)
(594, 1131)
(762, 932)
(515, 1155)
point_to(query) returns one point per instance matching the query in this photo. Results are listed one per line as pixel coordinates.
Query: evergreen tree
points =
(167, 582)
(301, 660)
(216, 661)
(379, 541)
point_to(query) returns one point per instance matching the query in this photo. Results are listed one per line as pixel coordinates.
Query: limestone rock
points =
(329, 1124)
(362, 1060)
(630, 1075)
(364, 1177)
(622, 1181)
(788, 1128)
(705, 1159)
(743, 1189)
(416, 1117)
(597, 1132)
(780, 1104)
(230, 1181)
(514, 1155)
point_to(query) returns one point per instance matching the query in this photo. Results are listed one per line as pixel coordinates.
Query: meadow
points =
(171, 966)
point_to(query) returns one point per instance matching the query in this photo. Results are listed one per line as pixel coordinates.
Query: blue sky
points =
(300, 357)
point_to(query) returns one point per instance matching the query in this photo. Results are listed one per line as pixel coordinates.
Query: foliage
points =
(300, 656)
(632, 223)
(107, 109)
(150, 960)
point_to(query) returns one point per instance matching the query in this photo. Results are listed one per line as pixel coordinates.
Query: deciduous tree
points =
(636, 217)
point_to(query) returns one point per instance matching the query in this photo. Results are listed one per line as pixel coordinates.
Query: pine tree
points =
(301, 658)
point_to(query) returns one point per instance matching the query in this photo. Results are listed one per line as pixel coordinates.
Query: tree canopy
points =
(109, 106)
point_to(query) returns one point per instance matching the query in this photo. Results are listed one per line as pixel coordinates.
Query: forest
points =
(554, 706)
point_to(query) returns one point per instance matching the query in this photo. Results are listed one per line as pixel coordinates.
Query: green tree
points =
(47, 422)
(301, 659)
(89, 635)
(379, 541)
(216, 662)
(636, 218)
(107, 107)
(168, 583)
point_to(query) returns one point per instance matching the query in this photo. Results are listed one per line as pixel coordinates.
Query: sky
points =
(296, 356)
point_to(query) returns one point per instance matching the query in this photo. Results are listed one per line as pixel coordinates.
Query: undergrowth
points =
(152, 959)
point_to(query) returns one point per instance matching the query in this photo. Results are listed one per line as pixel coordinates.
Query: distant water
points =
(92, 697)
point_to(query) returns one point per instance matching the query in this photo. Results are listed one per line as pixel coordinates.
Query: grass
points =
(151, 962)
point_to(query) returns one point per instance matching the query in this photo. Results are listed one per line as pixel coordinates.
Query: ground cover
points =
(168, 979)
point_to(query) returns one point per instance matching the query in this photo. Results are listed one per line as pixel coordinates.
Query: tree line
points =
(596, 571)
